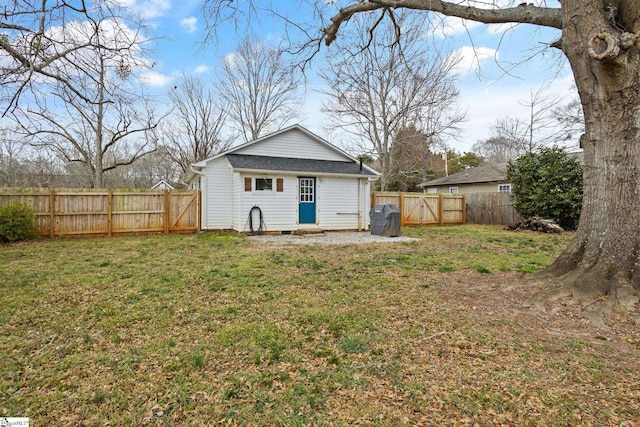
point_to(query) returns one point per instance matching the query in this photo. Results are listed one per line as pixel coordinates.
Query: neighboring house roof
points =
(489, 172)
(162, 185)
(293, 165)
(265, 163)
(485, 173)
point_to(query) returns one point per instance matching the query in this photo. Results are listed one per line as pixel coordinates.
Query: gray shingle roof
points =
(266, 163)
(489, 172)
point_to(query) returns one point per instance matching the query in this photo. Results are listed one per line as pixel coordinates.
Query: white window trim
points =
(507, 187)
(453, 190)
(255, 185)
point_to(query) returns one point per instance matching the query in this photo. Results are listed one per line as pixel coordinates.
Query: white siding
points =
(292, 144)
(339, 203)
(279, 209)
(237, 187)
(216, 195)
(342, 203)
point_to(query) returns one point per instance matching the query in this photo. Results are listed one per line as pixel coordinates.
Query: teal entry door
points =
(307, 200)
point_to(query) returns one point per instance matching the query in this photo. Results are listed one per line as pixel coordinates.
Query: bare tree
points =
(35, 48)
(378, 87)
(112, 117)
(541, 128)
(259, 88)
(195, 129)
(548, 123)
(500, 148)
(570, 120)
(145, 172)
(11, 156)
(414, 159)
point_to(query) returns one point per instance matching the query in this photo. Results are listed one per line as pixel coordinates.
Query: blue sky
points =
(490, 85)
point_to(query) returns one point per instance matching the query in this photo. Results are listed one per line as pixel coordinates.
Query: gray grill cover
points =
(385, 220)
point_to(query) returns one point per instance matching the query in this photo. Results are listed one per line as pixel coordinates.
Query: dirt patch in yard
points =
(328, 238)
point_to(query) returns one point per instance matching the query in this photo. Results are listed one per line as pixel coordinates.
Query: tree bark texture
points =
(604, 55)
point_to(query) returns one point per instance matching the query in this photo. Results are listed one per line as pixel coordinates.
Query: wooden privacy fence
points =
(491, 208)
(425, 209)
(108, 213)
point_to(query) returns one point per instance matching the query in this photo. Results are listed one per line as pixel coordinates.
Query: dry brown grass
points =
(198, 330)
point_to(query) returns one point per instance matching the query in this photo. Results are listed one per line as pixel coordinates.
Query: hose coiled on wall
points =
(261, 226)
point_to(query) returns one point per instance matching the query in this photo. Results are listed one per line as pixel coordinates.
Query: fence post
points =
(440, 209)
(110, 213)
(464, 208)
(52, 214)
(401, 208)
(167, 211)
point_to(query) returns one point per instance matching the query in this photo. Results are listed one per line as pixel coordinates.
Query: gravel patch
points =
(336, 238)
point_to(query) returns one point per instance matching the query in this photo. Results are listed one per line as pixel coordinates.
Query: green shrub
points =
(547, 184)
(17, 222)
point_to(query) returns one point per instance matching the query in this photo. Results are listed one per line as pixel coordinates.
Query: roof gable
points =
(264, 144)
(294, 142)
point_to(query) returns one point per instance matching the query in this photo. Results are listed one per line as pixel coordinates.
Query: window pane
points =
(264, 184)
(504, 188)
(306, 189)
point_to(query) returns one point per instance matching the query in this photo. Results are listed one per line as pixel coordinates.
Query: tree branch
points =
(525, 13)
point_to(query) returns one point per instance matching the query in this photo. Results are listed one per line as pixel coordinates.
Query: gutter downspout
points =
(196, 172)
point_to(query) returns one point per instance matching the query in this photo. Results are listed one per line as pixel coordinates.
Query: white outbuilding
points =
(290, 181)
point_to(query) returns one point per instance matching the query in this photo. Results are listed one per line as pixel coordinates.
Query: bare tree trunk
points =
(98, 171)
(603, 257)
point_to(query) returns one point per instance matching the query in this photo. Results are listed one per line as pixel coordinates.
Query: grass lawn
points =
(213, 328)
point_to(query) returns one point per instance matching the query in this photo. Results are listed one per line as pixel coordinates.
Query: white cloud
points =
(451, 26)
(124, 41)
(201, 69)
(471, 58)
(232, 60)
(155, 79)
(147, 9)
(190, 24)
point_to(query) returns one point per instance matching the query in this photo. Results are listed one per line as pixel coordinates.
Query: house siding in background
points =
(486, 178)
(490, 187)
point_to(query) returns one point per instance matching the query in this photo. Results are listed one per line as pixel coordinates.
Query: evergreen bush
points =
(547, 184)
(17, 222)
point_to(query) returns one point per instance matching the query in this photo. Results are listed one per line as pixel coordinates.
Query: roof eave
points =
(290, 172)
(438, 184)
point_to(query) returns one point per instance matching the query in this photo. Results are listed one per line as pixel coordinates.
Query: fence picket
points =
(425, 209)
(438, 209)
(100, 213)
